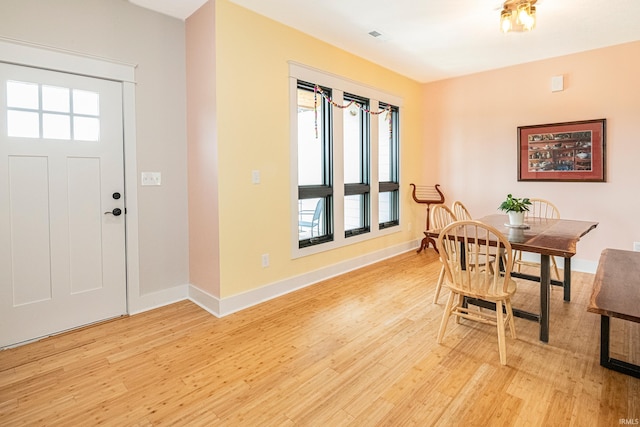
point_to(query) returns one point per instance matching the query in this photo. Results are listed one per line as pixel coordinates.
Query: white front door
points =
(62, 227)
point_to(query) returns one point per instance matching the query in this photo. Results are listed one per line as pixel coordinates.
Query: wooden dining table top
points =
(546, 236)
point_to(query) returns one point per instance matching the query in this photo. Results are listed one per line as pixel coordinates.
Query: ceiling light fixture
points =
(518, 15)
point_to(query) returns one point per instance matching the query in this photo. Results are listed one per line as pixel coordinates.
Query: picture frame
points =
(570, 151)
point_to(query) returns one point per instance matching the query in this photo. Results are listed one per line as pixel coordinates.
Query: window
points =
(52, 112)
(315, 192)
(388, 165)
(345, 163)
(355, 140)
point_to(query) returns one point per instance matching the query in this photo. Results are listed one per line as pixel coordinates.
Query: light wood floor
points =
(359, 349)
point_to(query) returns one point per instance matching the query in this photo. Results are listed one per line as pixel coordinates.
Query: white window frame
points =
(339, 85)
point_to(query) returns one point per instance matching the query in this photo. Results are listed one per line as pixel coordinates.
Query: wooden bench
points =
(616, 293)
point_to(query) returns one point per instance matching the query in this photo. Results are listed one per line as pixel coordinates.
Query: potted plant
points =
(515, 208)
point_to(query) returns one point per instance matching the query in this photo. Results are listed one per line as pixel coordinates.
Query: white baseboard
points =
(580, 265)
(205, 300)
(158, 299)
(222, 307)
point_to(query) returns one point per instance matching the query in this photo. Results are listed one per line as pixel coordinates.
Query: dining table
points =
(547, 237)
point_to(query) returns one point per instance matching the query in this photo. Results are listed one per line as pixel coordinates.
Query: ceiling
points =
(430, 40)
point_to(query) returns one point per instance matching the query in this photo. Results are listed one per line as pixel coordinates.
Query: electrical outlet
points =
(265, 260)
(255, 177)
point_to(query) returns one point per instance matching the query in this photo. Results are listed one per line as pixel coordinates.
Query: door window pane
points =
(56, 126)
(85, 102)
(22, 95)
(51, 112)
(23, 124)
(55, 99)
(86, 129)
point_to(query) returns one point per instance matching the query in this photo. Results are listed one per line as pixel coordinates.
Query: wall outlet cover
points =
(151, 178)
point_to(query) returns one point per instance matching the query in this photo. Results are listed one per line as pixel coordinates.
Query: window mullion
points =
(374, 171)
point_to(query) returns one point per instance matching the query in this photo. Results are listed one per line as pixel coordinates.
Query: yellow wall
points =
(252, 55)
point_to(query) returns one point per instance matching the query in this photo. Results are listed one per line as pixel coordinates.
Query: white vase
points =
(516, 218)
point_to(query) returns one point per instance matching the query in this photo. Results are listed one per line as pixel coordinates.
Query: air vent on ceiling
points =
(374, 33)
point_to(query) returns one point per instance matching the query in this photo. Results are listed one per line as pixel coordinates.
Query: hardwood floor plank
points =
(560, 409)
(356, 350)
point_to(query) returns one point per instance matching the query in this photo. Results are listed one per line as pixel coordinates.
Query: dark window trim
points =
(354, 189)
(385, 187)
(394, 159)
(363, 187)
(314, 191)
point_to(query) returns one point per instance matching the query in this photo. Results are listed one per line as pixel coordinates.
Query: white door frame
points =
(38, 56)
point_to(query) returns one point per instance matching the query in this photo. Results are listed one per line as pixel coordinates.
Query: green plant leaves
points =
(514, 204)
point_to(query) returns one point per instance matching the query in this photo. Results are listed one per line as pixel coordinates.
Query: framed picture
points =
(572, 151)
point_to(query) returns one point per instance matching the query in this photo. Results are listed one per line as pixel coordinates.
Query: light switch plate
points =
(151, 178)
(557, 83)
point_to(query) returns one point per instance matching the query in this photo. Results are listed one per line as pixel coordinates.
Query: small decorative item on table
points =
(515, 208)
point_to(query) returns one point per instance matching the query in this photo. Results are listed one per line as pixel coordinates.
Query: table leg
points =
(545, 283)
(567, 279)
(604, 340)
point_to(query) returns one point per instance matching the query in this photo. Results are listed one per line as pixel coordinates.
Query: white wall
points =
(472, 122)
(155, 43)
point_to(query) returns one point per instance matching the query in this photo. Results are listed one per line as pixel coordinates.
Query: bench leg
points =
(606, 360)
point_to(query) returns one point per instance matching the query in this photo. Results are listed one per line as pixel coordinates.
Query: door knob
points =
(115, 212)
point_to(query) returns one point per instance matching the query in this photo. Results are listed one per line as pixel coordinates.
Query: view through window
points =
(346, 187)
